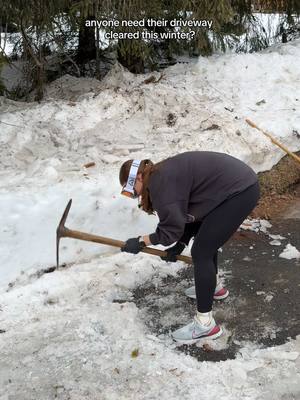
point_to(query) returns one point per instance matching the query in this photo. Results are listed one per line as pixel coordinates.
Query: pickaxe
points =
(62, 231)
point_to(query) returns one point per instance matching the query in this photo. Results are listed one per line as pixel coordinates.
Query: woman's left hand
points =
(173, 252)
(133, 245)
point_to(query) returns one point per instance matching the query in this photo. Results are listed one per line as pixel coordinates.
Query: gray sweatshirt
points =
(190, 185)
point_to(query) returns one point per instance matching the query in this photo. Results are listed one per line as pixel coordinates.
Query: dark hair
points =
(146, 168)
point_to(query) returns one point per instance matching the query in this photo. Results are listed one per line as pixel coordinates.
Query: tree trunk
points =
(97, 54)
(87, 43)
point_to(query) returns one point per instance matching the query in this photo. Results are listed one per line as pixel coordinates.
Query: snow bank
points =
(194, 106)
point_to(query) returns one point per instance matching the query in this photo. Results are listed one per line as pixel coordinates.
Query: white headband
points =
(132, 176)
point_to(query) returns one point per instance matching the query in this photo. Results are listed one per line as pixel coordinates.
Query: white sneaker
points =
(195, 331)
(220, 292)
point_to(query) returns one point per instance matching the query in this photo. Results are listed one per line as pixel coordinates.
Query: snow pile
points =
(194, 106)
(30, 216)
(73, 89)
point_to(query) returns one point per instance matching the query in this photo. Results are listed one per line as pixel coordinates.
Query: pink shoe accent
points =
(216, 331)
(221, 294)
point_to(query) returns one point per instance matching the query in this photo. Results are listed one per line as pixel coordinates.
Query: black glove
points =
(190, 230)
(133, 245)
(173, 251)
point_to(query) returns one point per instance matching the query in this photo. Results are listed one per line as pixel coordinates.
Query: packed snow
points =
(65, 334)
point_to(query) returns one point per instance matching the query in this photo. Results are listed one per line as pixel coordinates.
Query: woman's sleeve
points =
(172, 219)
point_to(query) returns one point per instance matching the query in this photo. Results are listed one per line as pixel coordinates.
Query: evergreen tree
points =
(32, 19)
(51, 25)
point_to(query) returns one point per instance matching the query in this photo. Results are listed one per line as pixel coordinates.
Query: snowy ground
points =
(64, 335)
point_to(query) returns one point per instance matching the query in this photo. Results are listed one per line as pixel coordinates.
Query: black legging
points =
(215, 229)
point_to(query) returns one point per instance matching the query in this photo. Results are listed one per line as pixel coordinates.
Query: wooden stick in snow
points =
(273, 140)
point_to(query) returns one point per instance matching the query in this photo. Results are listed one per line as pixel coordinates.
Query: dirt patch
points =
(279, 188)
(284, 175)
(274, 205)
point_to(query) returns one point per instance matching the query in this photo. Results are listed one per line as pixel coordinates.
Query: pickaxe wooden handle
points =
(275, 141)
(62, 231)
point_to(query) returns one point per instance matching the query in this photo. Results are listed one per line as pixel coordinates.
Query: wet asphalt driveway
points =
(263, 306)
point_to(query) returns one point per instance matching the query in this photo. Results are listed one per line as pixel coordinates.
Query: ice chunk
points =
(290, 252)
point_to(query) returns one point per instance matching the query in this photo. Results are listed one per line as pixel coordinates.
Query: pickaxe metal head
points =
(60, 231)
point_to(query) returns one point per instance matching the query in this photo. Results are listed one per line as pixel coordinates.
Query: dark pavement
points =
(263, 306)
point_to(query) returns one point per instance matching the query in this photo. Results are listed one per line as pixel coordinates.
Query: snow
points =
(7, 42)
(275, 243)
(276, 237)
(66, 325)
(256, 225)
(290, 252)
(196, 94)
(262, 27)
(76, 332)
(270, 354)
